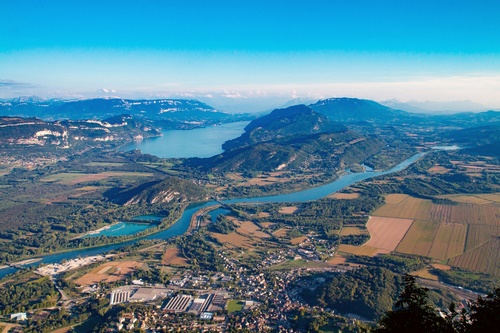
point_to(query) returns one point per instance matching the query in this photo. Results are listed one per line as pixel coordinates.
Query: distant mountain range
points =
(281, 137)
(16, 132)
(435, 107)
(168, 113)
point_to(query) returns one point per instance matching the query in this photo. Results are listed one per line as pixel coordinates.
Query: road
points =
(462, 293)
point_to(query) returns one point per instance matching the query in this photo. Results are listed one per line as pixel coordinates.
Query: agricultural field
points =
(360, 250)
(466, 214)
(233, 240)
(173, 256)
(449, 241)
(288, 210)
(345, 196)
(438, 169)
(251, 229)
(395, 199)
(408, 208)
(298, 240)
(386, 232)
(105, 164)
(480, 234)
(108, 272)
(267, 224)
(425, 274)
(281, 232)
(480, 199)
(347, 231)
(234, 176)
(460, 233)
(264, 180)
(337, 260)
(484, 258)
(419, 238)
(263, 215)
(72, 178)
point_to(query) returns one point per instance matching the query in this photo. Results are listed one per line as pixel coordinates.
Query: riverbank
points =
(24, 262)
(196, 217)
(53, 269)
(96, 231)
(62, 254)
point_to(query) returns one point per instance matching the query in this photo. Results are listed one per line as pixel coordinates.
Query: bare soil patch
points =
(281, 232)
(425, 274)
(438, 169)
(288, 210)
(347, 231)
(386, 233)
(395, 199)
(173, 256)
(441, 267)
(345, 196)
(298, 240)
(337, 260)
(233, 239)
(109, 272)
(249, 228)
(263, 180)
(234, 176)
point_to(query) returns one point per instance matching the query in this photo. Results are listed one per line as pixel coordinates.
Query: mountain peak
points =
(291, 121)
(346, 109)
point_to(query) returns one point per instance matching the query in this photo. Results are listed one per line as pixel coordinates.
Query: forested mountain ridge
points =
(324, 151)
(484, 139)
(291, 139)
(292, 121)
(356, 110)
(167, 190)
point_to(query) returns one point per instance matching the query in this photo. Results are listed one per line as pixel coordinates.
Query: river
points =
(182, 225)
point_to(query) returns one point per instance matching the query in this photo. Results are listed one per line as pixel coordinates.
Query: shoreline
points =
(194, 223)
(40, 256)
(96, 231)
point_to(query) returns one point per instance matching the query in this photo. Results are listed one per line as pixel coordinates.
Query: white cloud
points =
(107, 91)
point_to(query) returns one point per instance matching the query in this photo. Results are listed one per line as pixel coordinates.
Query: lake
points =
(199, 142)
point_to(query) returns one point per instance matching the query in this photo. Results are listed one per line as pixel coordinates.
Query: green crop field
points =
(409, 208)
(419, 238)
(484, 258)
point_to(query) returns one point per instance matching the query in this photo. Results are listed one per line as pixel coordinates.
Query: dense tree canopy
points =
(414, 313)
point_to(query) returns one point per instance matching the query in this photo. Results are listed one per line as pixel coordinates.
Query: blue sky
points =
(213, 50)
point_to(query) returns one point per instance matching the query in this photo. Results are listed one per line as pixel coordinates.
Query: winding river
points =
(182, 224)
